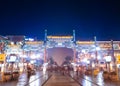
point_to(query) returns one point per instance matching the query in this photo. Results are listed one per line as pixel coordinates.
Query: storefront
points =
(2, 61)
(12, 63)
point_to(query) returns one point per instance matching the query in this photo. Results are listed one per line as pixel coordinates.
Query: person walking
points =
(29, 72)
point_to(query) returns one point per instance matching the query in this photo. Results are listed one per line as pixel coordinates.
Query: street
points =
(39, 78)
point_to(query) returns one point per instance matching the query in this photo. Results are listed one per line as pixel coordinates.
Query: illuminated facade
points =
(19, 51)
(60, 41)
(91, 50)
(33, 49)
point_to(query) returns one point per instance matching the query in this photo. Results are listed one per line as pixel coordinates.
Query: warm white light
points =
(93, 45)
(33, 56)
(44, 67)
(12, 43)
(118, 65)
(97, 48)
(31, 39)
(32, 61)
(93, 65)
(2, 67)
(73, 64)
(85, 60)
(98, 57)
(83, 51)
(88, 62)
(23, 56)
(21, 67)
(108, 58)
(20, 43)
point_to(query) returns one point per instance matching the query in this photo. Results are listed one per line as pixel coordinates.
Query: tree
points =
(68, 58)
(51, 60)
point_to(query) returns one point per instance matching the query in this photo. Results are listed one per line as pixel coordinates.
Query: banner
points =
(118, 59)
(2, 57)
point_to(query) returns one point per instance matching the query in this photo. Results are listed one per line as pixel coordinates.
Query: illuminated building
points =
(33, 49)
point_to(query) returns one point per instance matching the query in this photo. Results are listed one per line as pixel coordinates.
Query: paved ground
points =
(91, 80)
(38, 80)
(35, 80)
(58, 79)
(12, 83)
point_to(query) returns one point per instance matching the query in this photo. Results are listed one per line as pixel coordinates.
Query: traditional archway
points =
(59, 42)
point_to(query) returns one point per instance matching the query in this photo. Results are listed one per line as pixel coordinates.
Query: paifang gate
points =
(53, 43)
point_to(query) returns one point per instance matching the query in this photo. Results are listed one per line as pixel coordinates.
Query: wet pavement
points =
(35, 80)
(91, 80)
(57, 79)
(11, 83)
(39, 78)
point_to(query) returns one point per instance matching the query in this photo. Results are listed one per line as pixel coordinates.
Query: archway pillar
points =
(45, 55)
(74, 55)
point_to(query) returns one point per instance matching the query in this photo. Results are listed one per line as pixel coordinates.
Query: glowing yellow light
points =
(85, 42)
(2, 57)
(58, 37)
(34, 42)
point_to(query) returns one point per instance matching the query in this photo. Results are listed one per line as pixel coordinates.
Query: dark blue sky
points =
(60, 17)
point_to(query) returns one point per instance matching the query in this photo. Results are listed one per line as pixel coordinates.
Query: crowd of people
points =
(65, 69)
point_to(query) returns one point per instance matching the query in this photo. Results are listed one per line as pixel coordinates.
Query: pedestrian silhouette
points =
(29, 72)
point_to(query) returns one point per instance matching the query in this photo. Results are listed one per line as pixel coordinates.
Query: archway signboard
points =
(60, 41)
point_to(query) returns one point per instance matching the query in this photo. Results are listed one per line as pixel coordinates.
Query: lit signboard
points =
(2, 57)
(12, 58)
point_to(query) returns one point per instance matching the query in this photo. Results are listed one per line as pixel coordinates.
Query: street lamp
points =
(114, 60)
(108, 60)
(113, 57)
(96, 50)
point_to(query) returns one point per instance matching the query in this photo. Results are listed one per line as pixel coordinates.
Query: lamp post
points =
(44, 60)
(96, 60)
(114, 60)
(45, 50)
(113, 57)
(74, 48)
(108, 60)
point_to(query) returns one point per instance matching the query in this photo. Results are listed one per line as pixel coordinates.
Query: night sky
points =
(89, 18)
